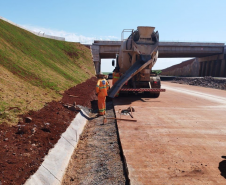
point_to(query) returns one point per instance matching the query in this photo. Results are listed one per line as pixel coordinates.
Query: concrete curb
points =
(52, 169)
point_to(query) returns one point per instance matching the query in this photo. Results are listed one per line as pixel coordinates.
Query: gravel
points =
(207, 81)
(98, 158)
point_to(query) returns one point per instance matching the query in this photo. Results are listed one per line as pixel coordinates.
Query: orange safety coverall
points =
(101, 90)
(116, 77)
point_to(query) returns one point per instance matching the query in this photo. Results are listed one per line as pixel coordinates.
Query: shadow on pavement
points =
(222, 167)
(129, 98)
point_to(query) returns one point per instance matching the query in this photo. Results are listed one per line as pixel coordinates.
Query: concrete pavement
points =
(178, 138)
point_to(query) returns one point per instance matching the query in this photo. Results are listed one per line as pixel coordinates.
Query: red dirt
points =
(180, 65)
(24, 146)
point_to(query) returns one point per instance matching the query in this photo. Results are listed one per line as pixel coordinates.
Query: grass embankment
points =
(36, 70)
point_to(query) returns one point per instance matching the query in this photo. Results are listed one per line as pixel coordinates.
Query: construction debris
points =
(72, 107)
(28, 119)
(129, 111)
(73, 96)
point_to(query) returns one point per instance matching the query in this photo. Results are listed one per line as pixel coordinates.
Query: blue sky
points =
(84, 21)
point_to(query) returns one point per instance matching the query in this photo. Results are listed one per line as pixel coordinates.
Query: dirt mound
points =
(24, 146)
(207, 81)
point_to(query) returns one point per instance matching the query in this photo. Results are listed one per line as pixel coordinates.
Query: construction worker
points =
(101, 90)
(116, 75)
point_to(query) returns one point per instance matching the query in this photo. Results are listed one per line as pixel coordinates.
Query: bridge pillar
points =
(97, 65)
(96, 57)
(218, 68)
(212, 66)
(209, 68)
(204, 69)
(223, 68)
(223, 64)
(200, 68)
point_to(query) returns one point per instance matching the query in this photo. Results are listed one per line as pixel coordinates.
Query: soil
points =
(24, 146)
(97, 160)
(180, 65)
(207, 81)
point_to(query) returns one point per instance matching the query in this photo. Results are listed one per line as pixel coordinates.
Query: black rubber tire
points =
(155, 95)
(152, 95)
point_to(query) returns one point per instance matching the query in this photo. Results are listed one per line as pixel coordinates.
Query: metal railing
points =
(125, 30)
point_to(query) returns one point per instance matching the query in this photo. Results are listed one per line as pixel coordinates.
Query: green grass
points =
(157, 71)
(44, 65)
(106, 73)
(26, 55)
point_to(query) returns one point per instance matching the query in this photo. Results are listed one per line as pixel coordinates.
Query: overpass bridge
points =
(211, 56)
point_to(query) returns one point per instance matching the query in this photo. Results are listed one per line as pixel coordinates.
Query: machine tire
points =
(152, 95)
(158, 86)
(155, 95)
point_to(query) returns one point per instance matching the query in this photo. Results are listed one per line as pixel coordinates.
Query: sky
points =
(87, 20)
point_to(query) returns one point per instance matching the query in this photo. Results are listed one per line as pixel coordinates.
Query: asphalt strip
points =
(52, 169)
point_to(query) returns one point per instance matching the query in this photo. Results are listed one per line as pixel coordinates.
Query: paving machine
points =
(137, 56)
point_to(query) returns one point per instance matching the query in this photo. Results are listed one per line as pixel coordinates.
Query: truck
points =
(137, 55)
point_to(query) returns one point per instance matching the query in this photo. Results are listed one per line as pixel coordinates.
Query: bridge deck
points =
(108, 49)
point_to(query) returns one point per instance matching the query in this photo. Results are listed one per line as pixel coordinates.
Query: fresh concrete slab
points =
(179, 138)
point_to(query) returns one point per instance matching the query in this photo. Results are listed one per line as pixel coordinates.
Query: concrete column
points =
(222, 69)
(200, 68)
(207, 73)
(212, 65)
(218, 68)
(203, 65)
(204, 68)
(225, 68)
(224, 62)
(97, 66)
(194, 68)
(209, 68)
(95, 49)
(212, 68)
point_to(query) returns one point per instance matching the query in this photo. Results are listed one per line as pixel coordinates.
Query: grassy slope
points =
(36, 70)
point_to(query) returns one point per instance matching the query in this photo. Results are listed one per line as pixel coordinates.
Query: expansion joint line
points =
(69, 141)
(51, 173)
